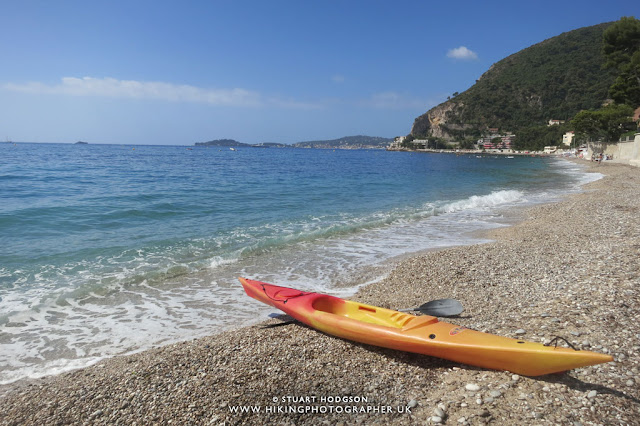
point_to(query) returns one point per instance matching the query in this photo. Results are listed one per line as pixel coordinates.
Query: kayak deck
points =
(419, 334)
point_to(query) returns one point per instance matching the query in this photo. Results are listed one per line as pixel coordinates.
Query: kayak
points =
(422, 334)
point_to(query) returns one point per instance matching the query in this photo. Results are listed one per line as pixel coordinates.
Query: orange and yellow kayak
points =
(420, 334)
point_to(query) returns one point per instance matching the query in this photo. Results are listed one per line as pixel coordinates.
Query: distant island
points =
(270, 145)
(222, 142)
(81, 143)
(347, 142)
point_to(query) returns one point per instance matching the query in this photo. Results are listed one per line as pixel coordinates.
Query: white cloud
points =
(393, 100)
(338, 78)
(291, 103)
(111, 87)
(462, 53)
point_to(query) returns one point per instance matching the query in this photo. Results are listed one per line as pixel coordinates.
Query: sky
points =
(180, 72)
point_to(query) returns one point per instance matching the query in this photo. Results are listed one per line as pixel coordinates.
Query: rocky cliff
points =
(441, 122)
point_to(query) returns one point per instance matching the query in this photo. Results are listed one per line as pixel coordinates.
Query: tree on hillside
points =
(626, 87)
(621, 47)
(620, 41)
(607, 123)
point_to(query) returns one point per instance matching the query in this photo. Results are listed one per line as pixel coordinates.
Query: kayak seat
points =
(329, 304)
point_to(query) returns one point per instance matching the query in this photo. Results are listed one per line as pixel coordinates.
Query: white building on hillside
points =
(567, 138)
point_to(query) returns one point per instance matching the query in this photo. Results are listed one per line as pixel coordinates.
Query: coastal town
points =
(625, 150)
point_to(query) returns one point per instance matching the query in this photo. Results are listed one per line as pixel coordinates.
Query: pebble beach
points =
(569, 269)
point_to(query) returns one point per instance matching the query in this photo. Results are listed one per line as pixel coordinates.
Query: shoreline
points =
(504, 152)
(570, 268)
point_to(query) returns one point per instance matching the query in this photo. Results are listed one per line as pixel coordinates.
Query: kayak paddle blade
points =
(441, 308)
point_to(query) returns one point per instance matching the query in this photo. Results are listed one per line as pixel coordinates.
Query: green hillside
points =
(554, 79)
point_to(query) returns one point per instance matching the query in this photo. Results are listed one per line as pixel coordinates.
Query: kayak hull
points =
(419, 334)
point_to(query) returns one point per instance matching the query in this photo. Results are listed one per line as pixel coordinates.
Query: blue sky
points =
(179, 72)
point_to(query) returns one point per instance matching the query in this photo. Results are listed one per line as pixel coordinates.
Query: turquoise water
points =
(108, 249)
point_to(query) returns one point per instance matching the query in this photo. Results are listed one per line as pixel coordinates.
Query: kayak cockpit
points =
(370, 314)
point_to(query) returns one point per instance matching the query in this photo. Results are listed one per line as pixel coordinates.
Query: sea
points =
(107, 250)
